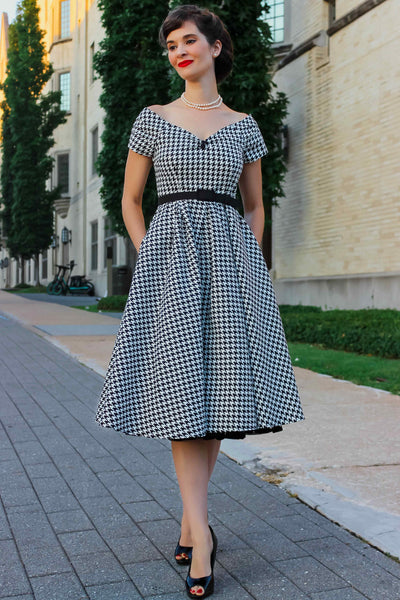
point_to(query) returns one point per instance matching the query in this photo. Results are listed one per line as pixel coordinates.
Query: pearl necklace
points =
(206, 106)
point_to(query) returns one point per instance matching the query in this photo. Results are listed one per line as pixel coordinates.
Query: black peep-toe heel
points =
(183, 550)
(207, 582)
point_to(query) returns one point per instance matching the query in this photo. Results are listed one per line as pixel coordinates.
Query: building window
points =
(110, 239)
(65, 87)
(63, 172)
(94, 246)
(275, 19)
(44, 264)
(65, 19)
(95, 148)
(92, 75)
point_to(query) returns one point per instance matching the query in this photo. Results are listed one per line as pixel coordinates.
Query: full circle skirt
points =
(201, 350)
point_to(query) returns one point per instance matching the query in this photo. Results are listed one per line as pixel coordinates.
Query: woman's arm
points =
(137, 170)
(250, 186)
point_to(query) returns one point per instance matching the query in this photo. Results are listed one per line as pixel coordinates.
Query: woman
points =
(201, 353)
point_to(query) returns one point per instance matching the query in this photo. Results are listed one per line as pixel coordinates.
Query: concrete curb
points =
(380, 529)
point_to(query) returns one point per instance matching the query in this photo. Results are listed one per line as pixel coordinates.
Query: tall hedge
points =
(133, 75)
(136, 73)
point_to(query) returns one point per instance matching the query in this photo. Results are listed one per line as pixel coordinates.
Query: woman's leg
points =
(194, 459)
(213, 450)
(213, 447)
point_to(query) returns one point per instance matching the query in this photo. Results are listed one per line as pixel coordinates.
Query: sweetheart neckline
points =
(193, 134)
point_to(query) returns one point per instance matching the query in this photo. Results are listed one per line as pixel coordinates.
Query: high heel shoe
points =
(184, 560)
(207, 582)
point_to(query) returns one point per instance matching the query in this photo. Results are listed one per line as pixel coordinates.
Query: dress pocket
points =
(142, 244)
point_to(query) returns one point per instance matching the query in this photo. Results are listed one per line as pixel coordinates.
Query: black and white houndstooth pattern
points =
(201, 350)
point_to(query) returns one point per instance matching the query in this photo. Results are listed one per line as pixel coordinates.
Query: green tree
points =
(7, 150)
(133, 75)
(30, 122)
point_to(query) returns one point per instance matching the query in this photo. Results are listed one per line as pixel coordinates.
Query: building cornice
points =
(60, 41)
(320, 38)
(353, 15)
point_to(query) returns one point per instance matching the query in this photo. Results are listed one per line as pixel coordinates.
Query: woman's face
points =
(189, 51)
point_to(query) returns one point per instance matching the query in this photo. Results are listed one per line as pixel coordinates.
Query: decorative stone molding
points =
(318, 39)
(61, 206)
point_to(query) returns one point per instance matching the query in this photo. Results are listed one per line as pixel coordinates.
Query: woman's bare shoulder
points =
(155, 106)
(162, 111)
(238, 115)
(160, 108)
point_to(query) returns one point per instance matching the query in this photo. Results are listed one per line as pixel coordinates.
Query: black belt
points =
(208, 195)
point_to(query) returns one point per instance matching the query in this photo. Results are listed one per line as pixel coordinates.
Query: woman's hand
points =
(137, 170)
(250, 186)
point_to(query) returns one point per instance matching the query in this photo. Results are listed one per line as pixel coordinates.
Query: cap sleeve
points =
(143, 135)
(255, 146)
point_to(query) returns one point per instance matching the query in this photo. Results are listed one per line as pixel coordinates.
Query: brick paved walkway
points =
(90, 513)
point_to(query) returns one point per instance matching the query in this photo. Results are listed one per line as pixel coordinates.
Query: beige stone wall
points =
(306, 19)
(341, 214)
(345, 6)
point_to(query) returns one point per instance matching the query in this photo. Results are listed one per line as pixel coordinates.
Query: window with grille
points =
(95, 148)
(63, 172)
(65, 19)
(92, 73)
(275, 19)
(110, 239)
(44, 264)
(94, 245)
(65, 87)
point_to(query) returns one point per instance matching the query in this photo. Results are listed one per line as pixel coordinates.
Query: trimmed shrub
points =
(364, 331)
(116, 303)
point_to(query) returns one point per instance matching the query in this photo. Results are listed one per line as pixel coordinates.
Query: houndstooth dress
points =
(201, 351)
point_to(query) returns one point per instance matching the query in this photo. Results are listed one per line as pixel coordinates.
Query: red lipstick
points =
(184, 63)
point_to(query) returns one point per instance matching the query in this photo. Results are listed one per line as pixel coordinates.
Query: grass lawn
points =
(374, 371)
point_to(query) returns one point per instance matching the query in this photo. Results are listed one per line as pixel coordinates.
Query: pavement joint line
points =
(39, 503)
(81, 330)
(95, 474)
(13, 539)
(91, 364)
(52, 512)
(61, 368)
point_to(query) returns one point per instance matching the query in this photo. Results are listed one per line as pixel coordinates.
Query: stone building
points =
(336, 231)
(336, 234)
(82, 231)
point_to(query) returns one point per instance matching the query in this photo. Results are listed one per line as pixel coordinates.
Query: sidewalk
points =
(343, 460)
(62, 474)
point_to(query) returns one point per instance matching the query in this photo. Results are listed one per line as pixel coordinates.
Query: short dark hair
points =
(210, 26)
